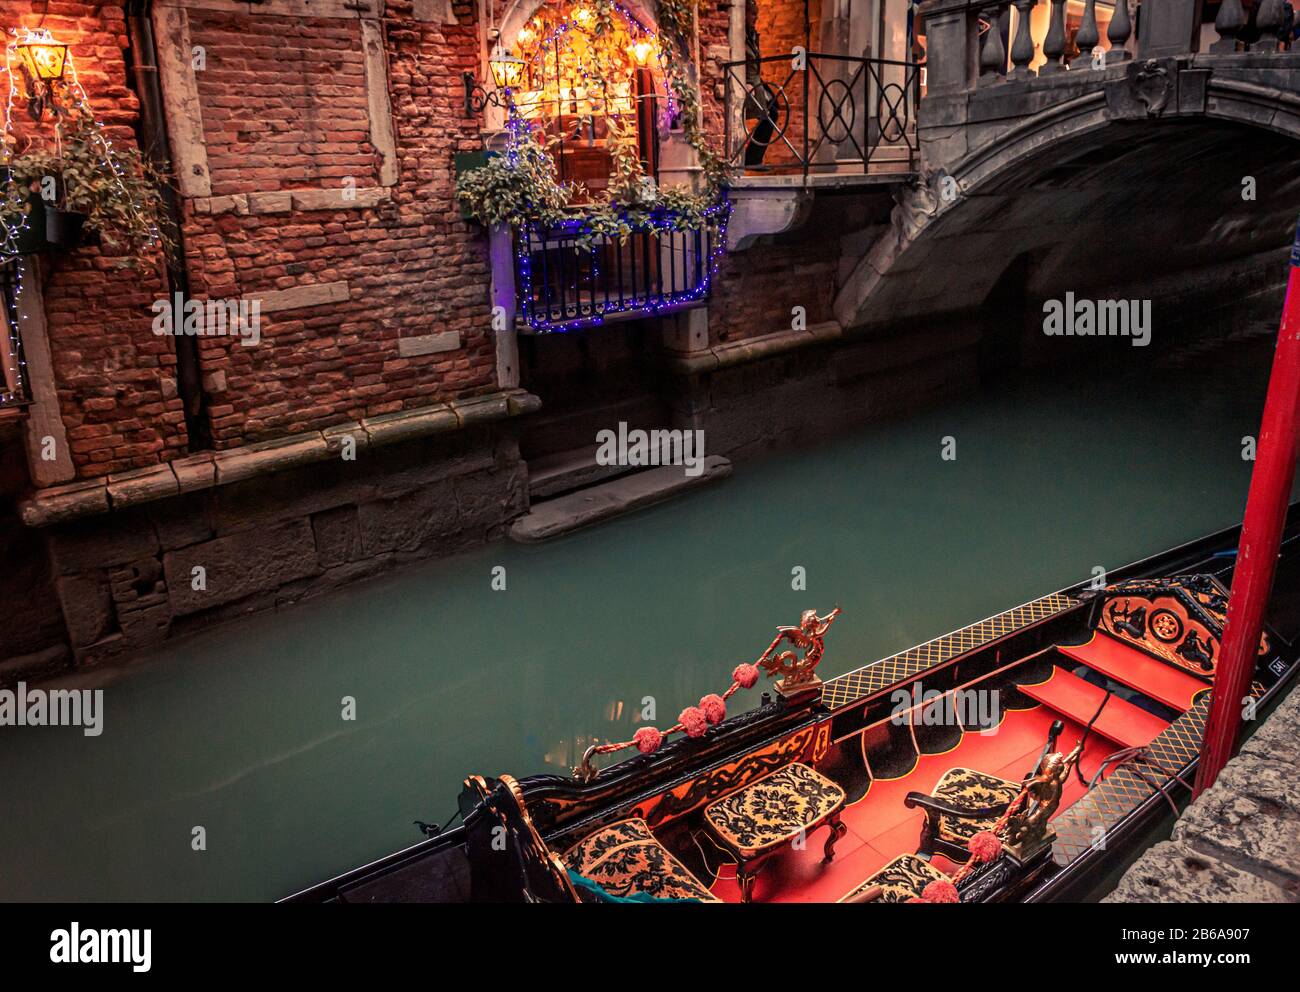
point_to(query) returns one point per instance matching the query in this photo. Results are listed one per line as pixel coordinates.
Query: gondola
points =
(1020, 758)
(1063, 729)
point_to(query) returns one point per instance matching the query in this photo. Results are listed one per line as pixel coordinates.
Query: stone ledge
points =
(309, 295)
(565, 514)
(207, 470)
(1240, 840)
(41, 665)
(287, 200)
(752, 349)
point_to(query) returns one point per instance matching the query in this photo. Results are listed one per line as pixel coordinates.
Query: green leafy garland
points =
(522, 186)
(677, 24)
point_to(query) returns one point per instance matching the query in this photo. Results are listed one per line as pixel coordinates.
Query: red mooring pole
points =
(1261, 539)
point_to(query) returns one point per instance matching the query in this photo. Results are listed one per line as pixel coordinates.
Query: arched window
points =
(591, 82)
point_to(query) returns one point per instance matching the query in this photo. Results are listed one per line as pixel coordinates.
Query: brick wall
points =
(412, 266)
(756, 289)
(715, 48)
(116, 380)
(284, 106)
(780, 29)
(284, 102)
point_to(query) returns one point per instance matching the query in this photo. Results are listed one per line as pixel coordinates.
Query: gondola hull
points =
(871, 733)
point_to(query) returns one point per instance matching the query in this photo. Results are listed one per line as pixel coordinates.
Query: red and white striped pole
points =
(1261, 539)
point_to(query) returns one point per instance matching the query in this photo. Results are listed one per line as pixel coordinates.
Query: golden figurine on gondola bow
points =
(809, 637)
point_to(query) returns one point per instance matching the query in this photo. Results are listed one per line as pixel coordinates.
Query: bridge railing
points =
(836, 113)
(975, 43)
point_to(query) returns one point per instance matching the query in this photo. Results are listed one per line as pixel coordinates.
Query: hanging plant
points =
(89, 182)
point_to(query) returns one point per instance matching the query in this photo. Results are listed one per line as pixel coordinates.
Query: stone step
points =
(565, 514)
(565, 471)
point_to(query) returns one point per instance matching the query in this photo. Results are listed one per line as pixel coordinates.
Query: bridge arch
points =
(1088, 194)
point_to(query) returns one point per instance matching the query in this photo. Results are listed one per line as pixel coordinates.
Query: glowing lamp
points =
(507, 75)
(642, 52)
(43, 57)
(582, 17)
(507, 70)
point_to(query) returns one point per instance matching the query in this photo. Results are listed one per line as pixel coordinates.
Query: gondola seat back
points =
(962, 803)
(902, 879)
(626, 860)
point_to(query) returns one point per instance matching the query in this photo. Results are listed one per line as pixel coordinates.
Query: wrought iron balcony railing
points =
(568, 277)
(838, 114)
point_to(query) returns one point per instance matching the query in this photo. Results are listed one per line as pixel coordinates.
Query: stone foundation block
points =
(1172, 872)
(408, 522)
(240, 565)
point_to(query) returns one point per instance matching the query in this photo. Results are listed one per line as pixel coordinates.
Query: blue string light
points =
(542, 324)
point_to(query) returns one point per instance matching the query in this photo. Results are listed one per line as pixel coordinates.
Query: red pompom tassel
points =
(693, 721)
(940, 890)
(746, 675)
(984, 846)
(647, 740)
(713, 707)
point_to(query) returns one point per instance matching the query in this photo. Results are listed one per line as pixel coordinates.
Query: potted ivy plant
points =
(86, 185)
(516, 186)
(63, 228)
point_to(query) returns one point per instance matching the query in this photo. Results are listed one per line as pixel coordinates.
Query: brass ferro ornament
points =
(1029, 829)
(809, 637)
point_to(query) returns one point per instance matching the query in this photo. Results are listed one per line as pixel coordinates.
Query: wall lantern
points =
(507, 74)
(42, 62)
(507, 71)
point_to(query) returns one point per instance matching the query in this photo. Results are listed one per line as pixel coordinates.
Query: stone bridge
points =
(1164, 170)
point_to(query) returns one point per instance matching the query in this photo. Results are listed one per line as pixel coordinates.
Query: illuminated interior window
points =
(589, 85)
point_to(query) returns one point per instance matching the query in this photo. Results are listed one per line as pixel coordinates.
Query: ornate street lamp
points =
(507, 73)
(42, 60)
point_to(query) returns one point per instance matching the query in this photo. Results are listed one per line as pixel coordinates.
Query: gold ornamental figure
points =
(799, 677)
(1029, 828)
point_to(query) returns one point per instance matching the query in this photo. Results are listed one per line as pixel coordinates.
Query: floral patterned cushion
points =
(970, 790)
(625, 858)
(774, 809)
(904, 877)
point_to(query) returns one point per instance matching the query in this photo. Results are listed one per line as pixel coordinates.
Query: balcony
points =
(569, 276)
(840, 116)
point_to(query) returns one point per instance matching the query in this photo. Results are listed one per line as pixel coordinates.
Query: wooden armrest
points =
(932, 805)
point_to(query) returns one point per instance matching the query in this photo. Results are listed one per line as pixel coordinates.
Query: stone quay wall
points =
(1240, 841)
(271, 524)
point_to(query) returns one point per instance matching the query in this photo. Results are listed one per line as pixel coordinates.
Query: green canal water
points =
(240, 731)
